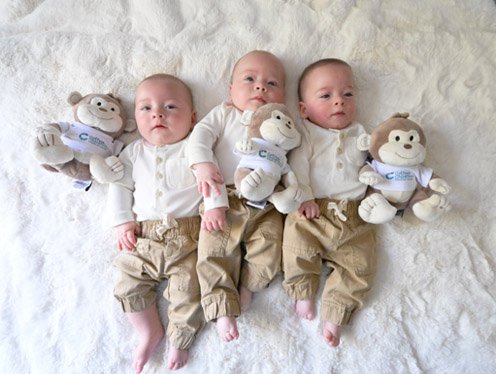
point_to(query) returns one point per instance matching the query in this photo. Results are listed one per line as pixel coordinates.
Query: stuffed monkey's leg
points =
(257, 185)
(431, 208)
(376, 209)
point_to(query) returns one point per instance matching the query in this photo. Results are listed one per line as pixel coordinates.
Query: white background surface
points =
(431, 309)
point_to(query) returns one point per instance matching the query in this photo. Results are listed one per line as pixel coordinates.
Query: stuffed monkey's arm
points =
(439, 185)
(49, 134)
(368, 176)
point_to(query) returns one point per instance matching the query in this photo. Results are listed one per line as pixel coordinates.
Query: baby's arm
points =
(208, 176)
(214, 216)
(126, 235)
(299, 160)
(200, 151)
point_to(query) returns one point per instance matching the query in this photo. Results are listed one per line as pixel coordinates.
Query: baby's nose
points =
(261, 87)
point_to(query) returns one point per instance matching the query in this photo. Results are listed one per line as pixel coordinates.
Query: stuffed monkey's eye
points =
(411, 138)
(99, 103)
(278, 117)
(112, 109)
(397, 138)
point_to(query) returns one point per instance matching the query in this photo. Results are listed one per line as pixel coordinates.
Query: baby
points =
(155, 211)
(327, 229)
(245, 248)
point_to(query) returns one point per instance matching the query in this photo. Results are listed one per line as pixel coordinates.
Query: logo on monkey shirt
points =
(272, 157)
(400, 176)
(85, 137)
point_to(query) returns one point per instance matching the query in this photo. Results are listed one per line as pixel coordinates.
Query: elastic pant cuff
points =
(336, 313)
(220, 306)
(302, 290)
(254, 284)
(137, 303)
(180, 339)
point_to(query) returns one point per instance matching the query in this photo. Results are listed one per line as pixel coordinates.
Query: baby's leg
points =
(305, 308)
(332, 333)
(177, 358)
(227, 328)
(150, 330)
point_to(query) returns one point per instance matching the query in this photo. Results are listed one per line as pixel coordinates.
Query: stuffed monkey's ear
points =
(74, 98)
(130, 125)
(400, 115)
(363, 142)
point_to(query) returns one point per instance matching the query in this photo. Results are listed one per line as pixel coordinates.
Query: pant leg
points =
(138, 276)
(183, 290)
(219, 262)
(301, 256)
(353, 263)
(262, 240)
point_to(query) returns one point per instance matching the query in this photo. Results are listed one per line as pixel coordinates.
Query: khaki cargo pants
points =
(164, 252)
(222, 263)
(341, 240)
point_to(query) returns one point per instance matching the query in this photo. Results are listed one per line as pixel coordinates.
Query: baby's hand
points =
(245, 146)
(126, 235)
(214, 220)
(309, 209)
(371, 178)
(207, 176)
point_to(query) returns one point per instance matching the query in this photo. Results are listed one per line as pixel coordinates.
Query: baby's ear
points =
(363, 142)
(130, 125)
(303, 110)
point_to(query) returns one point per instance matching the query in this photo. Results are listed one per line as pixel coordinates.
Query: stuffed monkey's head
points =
(273, 123)
(398, 141)
(101, 111)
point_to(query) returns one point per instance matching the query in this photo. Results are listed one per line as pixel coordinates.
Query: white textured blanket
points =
(432, 306)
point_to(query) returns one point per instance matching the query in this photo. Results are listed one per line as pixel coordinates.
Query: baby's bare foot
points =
(145, 349)
(332, 333)
(305, 308)
(227, 328)
(245, 296)
(177, 358)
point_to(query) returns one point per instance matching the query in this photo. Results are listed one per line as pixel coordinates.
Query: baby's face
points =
(163, 111)
(328, 98)
(257, 79)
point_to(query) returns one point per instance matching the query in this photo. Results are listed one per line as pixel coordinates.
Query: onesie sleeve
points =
(299, 161)
(220, 201)
(120, 194)
(204, 136)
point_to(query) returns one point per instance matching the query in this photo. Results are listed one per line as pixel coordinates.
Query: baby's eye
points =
(249, 79)
(348, 94)
(325, 96)
(145, 108)
(272, 83)
(170, 107)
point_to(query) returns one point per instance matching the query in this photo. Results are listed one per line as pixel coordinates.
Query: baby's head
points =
(326, 94)
(258, 78)
(164, 109)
